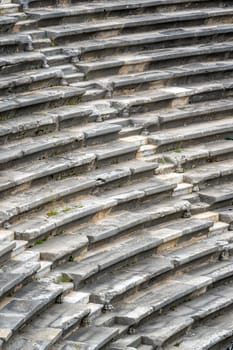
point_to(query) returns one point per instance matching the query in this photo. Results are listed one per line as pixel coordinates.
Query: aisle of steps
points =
(116, 175)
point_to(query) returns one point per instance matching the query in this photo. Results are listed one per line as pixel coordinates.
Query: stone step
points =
(218, 195)
(159, 5)
(18, 62)
(9, 9)
(38, 100)
(226, 215)
(7, 23)
(15, 274)
(190, 73)
(192, 157)
(210, 173)
(158, 332)
(41, 43)
(59, 217)
(91, 337)
(116, 285)
(155, 298)
(31, 80)
(67, 164)
(122, 253)
(128, 221)
(216, 332)
(190, 114)
(163, 98)
(57, 60)
(13, 43)
(6, 249)
(160, 58)
(197, 133)
(25, 305)
(99, 48)
(219, 228)
(62, 248)
(97, 10)
(54, 119)
(64, 316)
(211, 249)
(64, 189)
(219, 273)
(31, 338)
(56, 322)
(53, 144)
(133, 24)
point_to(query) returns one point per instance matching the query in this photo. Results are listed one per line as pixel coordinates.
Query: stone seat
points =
(226, 215)
(9, 9)
(55, 118)
(129, 278)
(210, 247)
(68, 163)
(6, 249)
(133, 42)
(91, 337)
(30, 80)
(218, 195)
(21, 61)
(157, 297)
(12, 43)
(149, 240)
(182, 136)
(158, 332)
(164, 97)
(39, 196)
(152, 59)
(34, 338)
(190, 157)
(132, 277)
(90, 9)
(39, 100)
(140, 81)
(217, 332)
(49, 327)
(7, 23)
(25, 305)
(129, 221)
(170, 292)
(61, 248)
(14, 274)
(210, 173)
(92, 3)
(189, 114)
(41, 147)
(77, 209)
(70, 32)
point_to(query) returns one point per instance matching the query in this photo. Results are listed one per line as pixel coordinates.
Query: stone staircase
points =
(116, 175)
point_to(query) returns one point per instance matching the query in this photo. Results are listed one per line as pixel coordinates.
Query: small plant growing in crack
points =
(52, 213)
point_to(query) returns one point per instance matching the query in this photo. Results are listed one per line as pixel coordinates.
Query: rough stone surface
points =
(116, 143)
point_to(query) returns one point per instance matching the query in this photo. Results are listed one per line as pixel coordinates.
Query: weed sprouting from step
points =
(4, 118)
(178, 150)
(65, 279)
(52, 213)
(163, 161)
(66, 210)
(40, 241)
